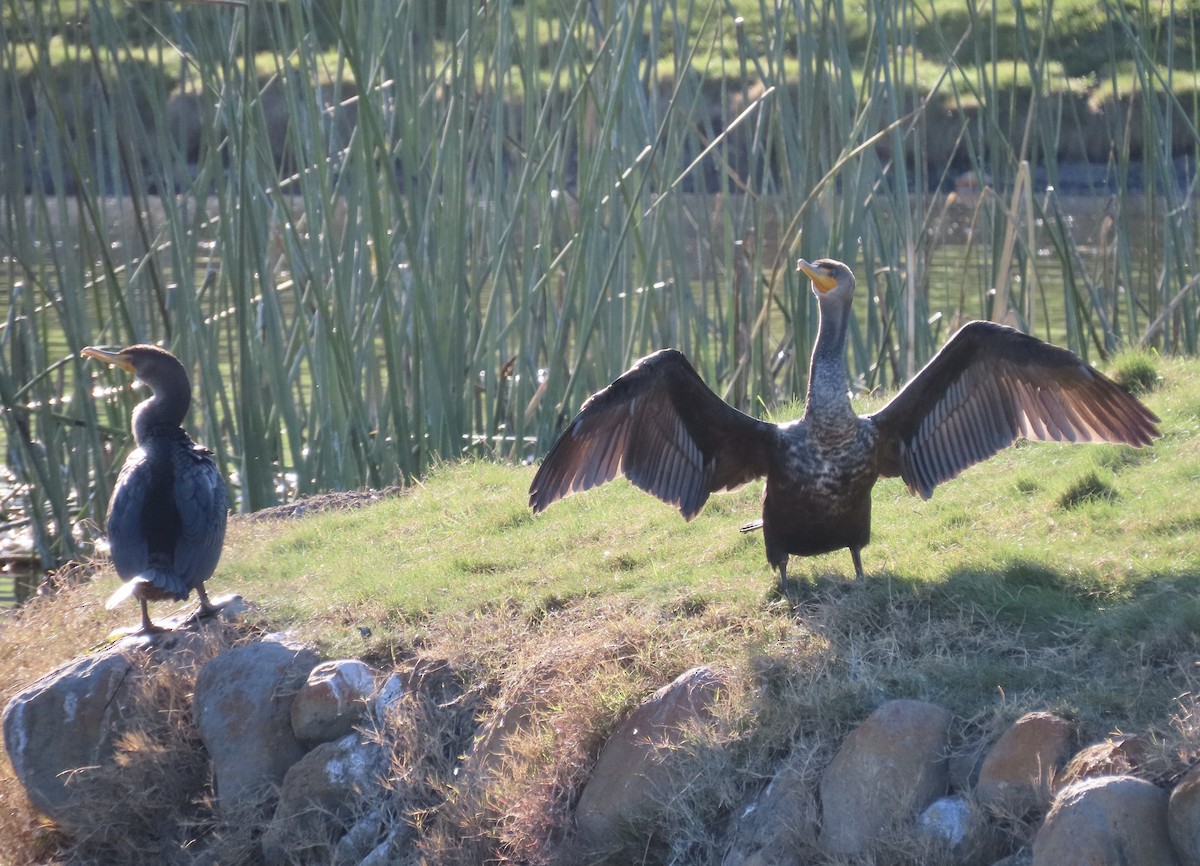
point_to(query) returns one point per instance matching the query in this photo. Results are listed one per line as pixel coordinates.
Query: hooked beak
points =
(823, 282)
(117, 359)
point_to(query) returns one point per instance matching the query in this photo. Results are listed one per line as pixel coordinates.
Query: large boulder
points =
(242, 707)
(90, 740)
(1106, 821)
(889, 769)
(1017, 773)
(66, 724)
(332, 701)
(633, 775)
(318, 798)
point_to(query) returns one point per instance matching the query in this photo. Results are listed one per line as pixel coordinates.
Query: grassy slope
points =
(992, 599)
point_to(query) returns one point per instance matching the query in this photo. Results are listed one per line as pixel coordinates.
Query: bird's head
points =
(830, 278)
(159, 369)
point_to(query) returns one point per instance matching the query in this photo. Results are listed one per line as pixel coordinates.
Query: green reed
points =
(415, 231)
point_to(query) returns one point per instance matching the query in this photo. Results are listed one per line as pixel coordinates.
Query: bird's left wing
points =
(661, 427)
(203, 503)
(990, 385)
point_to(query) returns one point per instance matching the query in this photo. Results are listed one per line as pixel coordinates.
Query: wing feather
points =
(661, 427)
(991, 385)
(203, 504)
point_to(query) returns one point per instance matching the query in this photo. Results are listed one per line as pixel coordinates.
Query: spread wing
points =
(989, 385)
(661, 427)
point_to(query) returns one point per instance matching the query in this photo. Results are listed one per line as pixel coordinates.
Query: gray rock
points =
(332, 701)
(319, 795)
(242, 707)
(1024, 857)
(1123, 755)
(492, 745)
(389, 851)
(886, 772)
(633, 774)
(388, 697)
(1106, 821)
(947, 820)
(66, 721)
(362, 837)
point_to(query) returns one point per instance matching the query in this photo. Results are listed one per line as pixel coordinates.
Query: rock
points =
(888, 770)
(780, 822)
(1183, 817)
(318, 796)
(434, 679)
(242, 706)
(66, 721)
(389, 696)
(1016, 774)
(492, 745)
(1122, 756)
(388, 852)
(948, 820)
(360, 840)
(633, 774)
(332, 701)
(1106, 821)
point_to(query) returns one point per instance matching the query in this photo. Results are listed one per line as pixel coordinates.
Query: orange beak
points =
(117, 359)
(823, 282)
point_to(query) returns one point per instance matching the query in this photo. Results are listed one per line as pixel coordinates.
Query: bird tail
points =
(152, 584)
(125, 592)
(750, 527)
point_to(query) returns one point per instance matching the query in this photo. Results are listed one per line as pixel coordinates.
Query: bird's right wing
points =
(661, 427)
(127, 541)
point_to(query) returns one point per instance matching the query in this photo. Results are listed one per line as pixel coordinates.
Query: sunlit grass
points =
(519, 199)
(464, 540)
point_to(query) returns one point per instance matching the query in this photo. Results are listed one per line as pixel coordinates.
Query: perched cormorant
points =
(166, 520)
(661, 427)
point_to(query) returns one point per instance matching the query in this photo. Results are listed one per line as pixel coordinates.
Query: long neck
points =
(162, 413)
(828, 395)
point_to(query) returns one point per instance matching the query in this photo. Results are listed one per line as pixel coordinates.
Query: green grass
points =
(1011, 543)
(526, 197)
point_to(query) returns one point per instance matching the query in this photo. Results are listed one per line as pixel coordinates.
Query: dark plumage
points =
(659, 425)
(166, 520)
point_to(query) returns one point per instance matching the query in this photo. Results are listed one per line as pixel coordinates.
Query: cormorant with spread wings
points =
(661, 427)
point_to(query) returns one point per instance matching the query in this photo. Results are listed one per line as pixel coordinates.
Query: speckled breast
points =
(818, 496)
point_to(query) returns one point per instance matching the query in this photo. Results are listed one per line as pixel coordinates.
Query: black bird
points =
(166, 520)
(661, 427)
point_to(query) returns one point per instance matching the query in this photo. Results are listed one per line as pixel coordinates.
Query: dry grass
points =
(560, 681)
